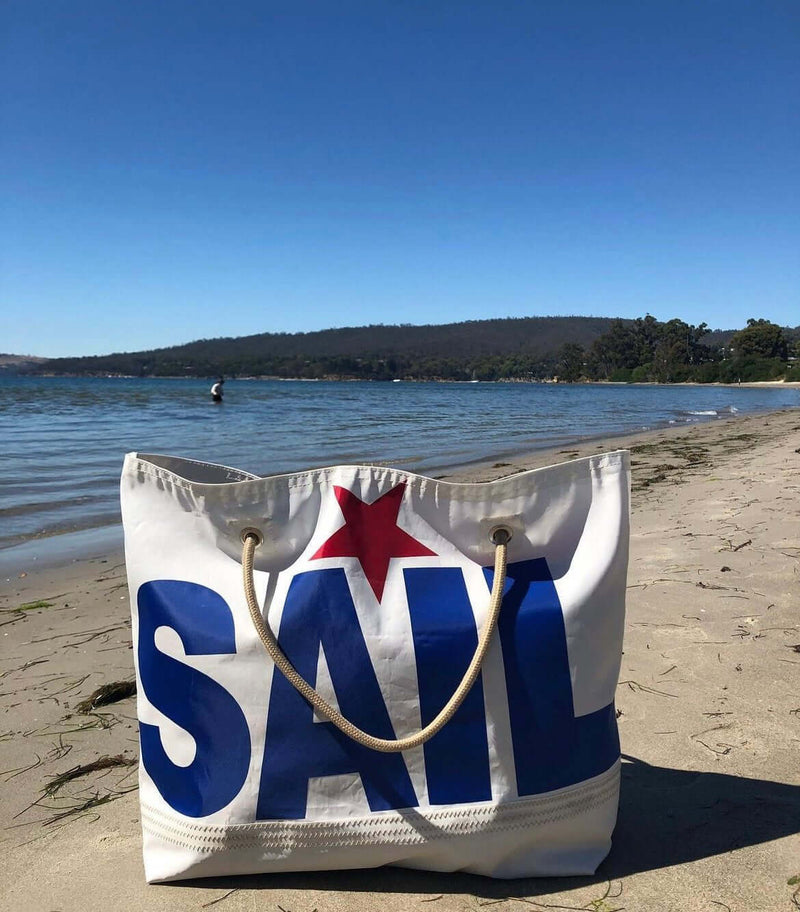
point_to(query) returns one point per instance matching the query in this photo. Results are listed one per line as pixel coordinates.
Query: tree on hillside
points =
(760, 339)
(570, 362)
(646, 349)
(615, 350)
(678, 350)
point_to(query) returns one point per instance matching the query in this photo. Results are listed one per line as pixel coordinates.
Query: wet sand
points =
(708, 702)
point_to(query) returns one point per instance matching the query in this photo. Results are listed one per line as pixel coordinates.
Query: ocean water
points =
(62, 440)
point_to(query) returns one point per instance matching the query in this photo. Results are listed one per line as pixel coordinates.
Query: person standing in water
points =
(216, 390)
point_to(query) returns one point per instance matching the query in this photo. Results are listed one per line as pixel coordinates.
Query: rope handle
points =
(500, 535)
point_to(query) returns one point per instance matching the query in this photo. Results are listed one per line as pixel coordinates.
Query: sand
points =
(708, 701)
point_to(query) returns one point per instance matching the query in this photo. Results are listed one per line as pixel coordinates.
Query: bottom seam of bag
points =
(398, 828)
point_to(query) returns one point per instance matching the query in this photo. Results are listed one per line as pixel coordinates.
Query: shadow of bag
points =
(357, 666)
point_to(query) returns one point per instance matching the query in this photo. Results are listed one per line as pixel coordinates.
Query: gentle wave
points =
(711, 413)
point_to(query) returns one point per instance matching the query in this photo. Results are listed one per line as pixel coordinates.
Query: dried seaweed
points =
(100, 764)
(108, 693)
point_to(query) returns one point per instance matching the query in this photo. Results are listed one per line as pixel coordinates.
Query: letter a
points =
(319, 610)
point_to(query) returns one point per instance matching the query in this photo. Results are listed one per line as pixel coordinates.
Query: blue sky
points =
(182, 169)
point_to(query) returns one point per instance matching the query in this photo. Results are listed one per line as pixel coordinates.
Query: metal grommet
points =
(500, 535)
(251, 532)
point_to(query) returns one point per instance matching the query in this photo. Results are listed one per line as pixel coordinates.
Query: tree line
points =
(646, 350)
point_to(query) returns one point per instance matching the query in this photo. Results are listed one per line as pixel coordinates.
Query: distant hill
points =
(453, 350)
(518, 348)
(19, 362)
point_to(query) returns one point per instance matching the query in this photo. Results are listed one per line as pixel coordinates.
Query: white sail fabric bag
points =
(357, 666)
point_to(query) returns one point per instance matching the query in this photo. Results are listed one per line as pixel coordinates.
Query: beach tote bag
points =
(357, 666)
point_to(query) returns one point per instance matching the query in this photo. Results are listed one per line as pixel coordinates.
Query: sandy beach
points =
(708, 706)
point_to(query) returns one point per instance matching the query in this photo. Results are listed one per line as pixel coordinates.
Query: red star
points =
(371, 534)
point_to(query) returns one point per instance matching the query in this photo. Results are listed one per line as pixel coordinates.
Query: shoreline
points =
(58, 549)
(702, 431)
(333, 378)
(708, 703)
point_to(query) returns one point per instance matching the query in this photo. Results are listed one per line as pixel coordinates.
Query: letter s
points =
(192, 700)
